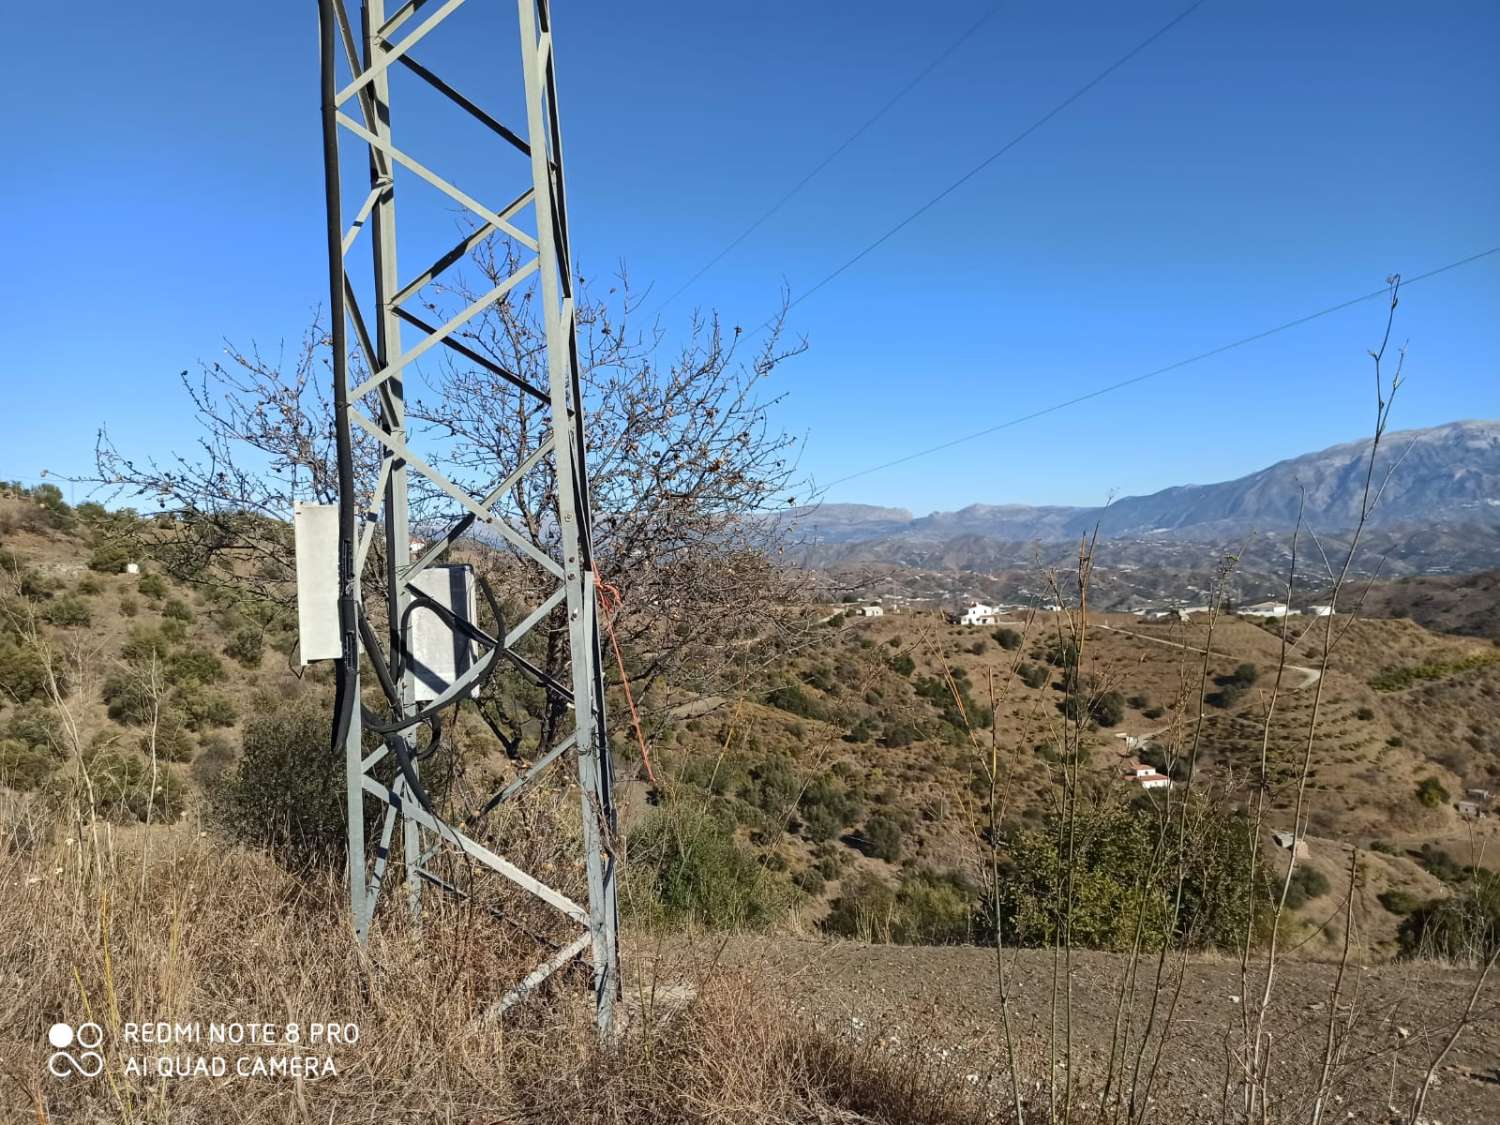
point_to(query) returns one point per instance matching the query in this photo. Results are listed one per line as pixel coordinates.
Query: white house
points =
(871, 611)
(1317, 610)
(1265, 609)
(977, 613)
(1146, 776)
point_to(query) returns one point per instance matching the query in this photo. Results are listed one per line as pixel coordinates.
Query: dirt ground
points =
(943, 1004)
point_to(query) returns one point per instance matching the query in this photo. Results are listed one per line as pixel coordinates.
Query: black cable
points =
(346, 690)
(832, 156)
(1301, 320)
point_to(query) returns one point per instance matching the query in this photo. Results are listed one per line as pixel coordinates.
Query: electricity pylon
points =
(358, 110)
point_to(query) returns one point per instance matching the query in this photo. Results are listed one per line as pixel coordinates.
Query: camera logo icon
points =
(87, 1062)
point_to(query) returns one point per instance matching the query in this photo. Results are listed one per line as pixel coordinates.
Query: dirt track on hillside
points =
(943, 1004)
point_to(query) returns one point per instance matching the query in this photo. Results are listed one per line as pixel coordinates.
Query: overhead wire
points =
(1037, 124)
(1406, 282)
(838, 151)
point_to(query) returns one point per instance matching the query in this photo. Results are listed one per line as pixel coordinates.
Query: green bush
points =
(687, 868)
(1008, 639)
(67, 610)
(23, 673)
(792, 699)
(109, 557)
(89, 586)
(246, 645)
(202, 708)
(1399, 902)
(173, 742)
(880, 838)
(1107, 709)
(1364, 714)
(1307, 884)
(1397, 679)
(144, 643)
(1463, 926)
(129, 607)
(903, 664)
(152, 586)
(24, 767)
(287, 791)
(1124, 877)
(1431, 793)
(925, 909)
(194, 665)
(128, 697)
(178, 610)
(1033, 675)
(123, 789)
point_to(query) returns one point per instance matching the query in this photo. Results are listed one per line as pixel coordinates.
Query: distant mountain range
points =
(1439, 513)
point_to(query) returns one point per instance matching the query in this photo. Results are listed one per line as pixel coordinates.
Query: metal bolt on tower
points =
(358, 64)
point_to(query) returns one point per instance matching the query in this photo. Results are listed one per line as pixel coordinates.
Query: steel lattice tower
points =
(357, 68)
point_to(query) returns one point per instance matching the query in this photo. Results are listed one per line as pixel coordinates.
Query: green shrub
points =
(202, 708)
(287, 791)
(173, 742)
(246, 645)
(1364, 714)
(129, 607)
(178, 610)
(144, 643)
(1107, 709)
(1398, 679)
(880, 838)
(128, 697)
(1033, 675)
(215, 756)
(687, 868)
(1307, 883)
(1431, 793)
(1399, 902)
(792, 699)
(89, 586)
(24, 767)
(925, 909)
(899, 733)
(1124, 877)
(109, 557)
(152, 586)
(1463, 926)
(67, 610)
(1008, 639)
(194, 665)
(23, 673)
(123, 788)
(903, 664)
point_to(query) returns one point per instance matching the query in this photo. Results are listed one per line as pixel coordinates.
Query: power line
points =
(998, 153)
(1181, 363)
(834, 155)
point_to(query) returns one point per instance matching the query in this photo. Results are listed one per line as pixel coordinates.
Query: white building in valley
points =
(1265, 609)
(976, 613)
(1146, 776)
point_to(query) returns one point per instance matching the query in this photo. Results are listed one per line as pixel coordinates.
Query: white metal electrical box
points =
(439, 655)
(315, 532)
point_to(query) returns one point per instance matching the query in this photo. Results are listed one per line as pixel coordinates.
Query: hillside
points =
(1439, 513)
(856, 760)
(1468, 604)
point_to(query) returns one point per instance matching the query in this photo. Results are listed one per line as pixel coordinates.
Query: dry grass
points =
(210, 933)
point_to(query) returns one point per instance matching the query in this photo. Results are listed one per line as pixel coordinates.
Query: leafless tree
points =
(688, 470)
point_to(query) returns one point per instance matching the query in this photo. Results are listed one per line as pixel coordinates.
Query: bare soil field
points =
(943, 1004)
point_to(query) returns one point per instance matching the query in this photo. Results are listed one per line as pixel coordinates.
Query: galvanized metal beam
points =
(370, 55)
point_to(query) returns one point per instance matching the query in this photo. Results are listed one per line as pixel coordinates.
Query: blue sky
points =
(1257, 163)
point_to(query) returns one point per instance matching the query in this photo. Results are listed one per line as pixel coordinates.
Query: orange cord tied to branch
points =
(610, 596)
